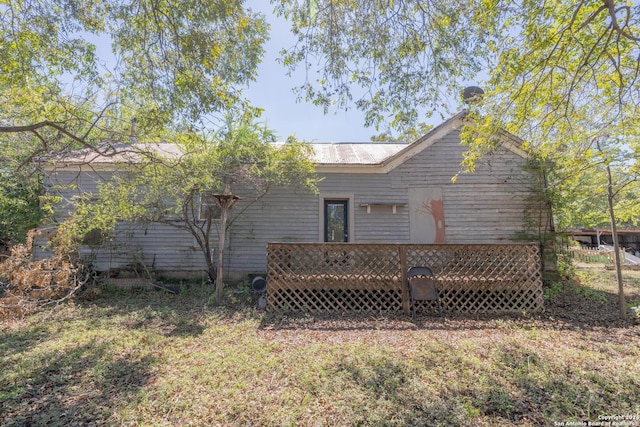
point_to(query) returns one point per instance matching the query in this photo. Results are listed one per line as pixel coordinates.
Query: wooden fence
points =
(372, 277)
(593, 255)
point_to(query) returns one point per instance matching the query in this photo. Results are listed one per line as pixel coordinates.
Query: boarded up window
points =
(426, 215)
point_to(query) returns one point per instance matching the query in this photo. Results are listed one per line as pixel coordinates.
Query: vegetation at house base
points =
(184, 189)
(576, 100)
(19, 208)
(85, 74)
(562, 76)
(153, 358)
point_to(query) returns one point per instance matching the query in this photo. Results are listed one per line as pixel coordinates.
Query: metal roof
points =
(114, 153)
(345, 153)
(323, 153)
(384, 156)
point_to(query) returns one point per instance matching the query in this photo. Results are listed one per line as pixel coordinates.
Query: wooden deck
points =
(372, 277)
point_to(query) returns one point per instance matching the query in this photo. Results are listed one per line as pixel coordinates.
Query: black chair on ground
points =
(422, 287)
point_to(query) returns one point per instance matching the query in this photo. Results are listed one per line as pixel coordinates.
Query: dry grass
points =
(150, 358)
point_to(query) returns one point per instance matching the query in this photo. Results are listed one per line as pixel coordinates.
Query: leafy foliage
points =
(173, 61)
(76, 73)
(566, 81)
(408, 136)
(22, 203)
(586, 208)
(564, 76)
(19, 208)
(169, 184)
(393, 60)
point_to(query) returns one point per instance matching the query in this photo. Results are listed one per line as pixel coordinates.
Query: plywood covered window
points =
(426, 215)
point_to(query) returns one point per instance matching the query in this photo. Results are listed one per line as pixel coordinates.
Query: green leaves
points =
(166, 188)
(566, 81)
(166, 62)
(396, 61)
(20, 208)
(87, 68)
(187, 58)
(178, 189)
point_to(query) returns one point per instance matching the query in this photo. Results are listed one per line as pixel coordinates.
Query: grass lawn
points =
(152, 358)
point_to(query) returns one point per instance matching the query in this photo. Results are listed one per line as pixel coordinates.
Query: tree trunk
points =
(616, 247)
(211, 266)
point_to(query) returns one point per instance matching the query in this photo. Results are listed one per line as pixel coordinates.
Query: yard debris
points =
(29, 285)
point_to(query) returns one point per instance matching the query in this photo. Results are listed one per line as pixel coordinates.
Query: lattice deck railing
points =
(495, 278)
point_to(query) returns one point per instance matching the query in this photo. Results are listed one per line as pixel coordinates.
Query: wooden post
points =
(622, 305)
(221, 238)
(226, 201)
(406, 302)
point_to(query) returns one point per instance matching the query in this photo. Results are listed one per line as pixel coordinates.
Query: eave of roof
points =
(110, 153)
(603, 230)
(328, 157)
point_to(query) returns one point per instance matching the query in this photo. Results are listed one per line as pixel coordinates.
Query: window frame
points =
(350, 216)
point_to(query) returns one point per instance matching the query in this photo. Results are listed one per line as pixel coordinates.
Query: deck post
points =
(406, 302)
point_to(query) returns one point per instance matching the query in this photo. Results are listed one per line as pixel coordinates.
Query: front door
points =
(336, 227)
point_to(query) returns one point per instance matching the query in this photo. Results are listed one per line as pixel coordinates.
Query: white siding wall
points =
(484, 207)
(70, 183)
(284, 215)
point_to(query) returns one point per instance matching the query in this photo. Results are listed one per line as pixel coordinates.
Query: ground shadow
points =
(174, 314)
(66, 387)
(12, 342)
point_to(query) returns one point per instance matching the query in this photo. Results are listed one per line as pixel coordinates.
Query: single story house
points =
(370, 193)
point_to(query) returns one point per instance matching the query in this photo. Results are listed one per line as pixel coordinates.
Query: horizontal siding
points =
(282, 215)
(381, 225)
(439, 163)
(159, 247)
(485, 207)
(68, 185)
